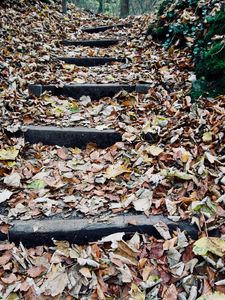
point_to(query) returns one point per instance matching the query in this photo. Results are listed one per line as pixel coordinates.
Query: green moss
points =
(216, 26)
(211, 72)
(208, 49)
(213, 63)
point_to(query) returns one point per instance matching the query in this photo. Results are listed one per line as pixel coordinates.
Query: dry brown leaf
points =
(170, 293)
(36, 271)
(10, 279)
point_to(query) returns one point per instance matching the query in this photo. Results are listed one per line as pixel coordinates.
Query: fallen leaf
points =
(37, 184)
(8, 154)
(87, 261)
(209, 244)
(62, 153)
(171, 293)
(154, 150)
(207, 137)
(10, 279)
(143, 202)
(13, 180)
(213, 296)
(5, 195)
(5, 258)
(163, 229)
(116, 170)
(85, 272)
(136, 293)
(56, 282)
(36, 271)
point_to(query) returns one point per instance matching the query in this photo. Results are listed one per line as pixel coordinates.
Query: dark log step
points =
(91, 61)
(70, 137)
(91, 43)
(80, 231)
(95, 91)
(103, 28)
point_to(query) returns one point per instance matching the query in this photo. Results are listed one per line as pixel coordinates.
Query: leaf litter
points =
(171, 162)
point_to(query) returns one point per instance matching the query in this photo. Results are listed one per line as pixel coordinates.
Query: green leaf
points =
(74, 107)
(177, 174)
(37, 184)
(206, 207)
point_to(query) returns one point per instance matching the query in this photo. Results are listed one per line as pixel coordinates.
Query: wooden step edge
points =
(104, 27)
(78, 137)
(81, 231)
(91, 43)
(90, 61)
(95, 91)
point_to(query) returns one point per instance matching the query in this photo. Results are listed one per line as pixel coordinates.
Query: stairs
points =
(82, 228)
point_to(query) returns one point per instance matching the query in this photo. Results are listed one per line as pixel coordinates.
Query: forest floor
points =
(170, 162)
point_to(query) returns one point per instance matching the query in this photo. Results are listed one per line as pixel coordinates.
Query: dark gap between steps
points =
(104, 28)
(91, 43)
(80, 231)
(91, 61)
(70, 137)
(95, 91)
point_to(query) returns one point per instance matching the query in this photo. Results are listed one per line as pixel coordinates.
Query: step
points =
(103, 28)
(95, 91)
(91, 43)
(79, 230)
(91, 61)
(71, 136)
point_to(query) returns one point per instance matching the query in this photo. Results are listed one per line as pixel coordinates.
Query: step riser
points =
(91, 43)
(102, 28)
(96, 92)
(79, 231)
(91, 62)
(70, 137)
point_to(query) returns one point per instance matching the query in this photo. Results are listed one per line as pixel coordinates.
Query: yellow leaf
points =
(207, 136)
(13, 296)
(136, 293)
(62, 247)
(79, 80)
(68, 67)
(185, 156)
(114, 171)
(209, 244)
(154, 150)
(213, 296)
(9, 153)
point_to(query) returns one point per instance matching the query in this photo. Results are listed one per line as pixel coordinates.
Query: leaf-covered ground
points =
(171, 161)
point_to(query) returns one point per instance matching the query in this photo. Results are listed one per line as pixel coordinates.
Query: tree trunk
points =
(100, 8)
(64, 7)
(124, 8)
